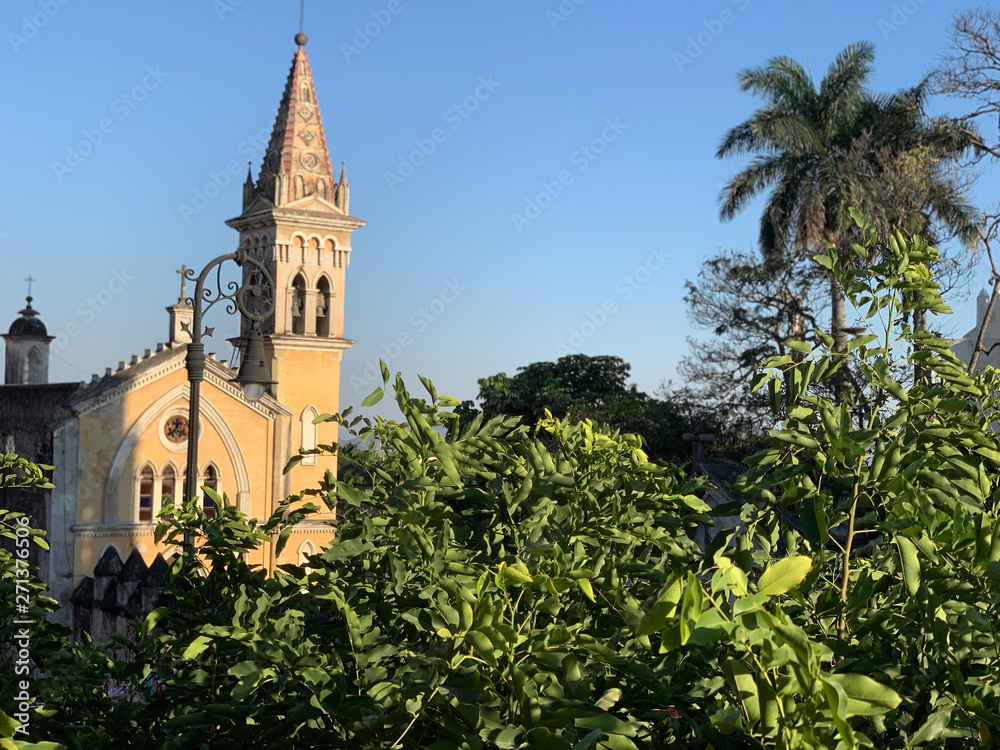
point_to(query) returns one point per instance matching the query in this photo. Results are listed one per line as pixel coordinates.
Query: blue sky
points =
(573, 190)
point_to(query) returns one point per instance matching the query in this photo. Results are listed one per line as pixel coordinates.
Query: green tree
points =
(751, 308)
(822, 149)
(595, 388)
(896, 496)
(24, 605)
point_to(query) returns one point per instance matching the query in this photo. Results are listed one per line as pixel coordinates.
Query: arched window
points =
(321, 188)
(168, 487)
(212, 482)
(298, 305)
(323, 314)
(300, 187)
(147, 486)
(304, 93)
(33, 366)
(305, 550)
(7, 443)
(310, 434)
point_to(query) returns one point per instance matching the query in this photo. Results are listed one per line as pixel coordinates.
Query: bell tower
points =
(27, 361)
(295, 220)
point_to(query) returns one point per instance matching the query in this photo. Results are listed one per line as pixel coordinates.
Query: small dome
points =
(29, 324)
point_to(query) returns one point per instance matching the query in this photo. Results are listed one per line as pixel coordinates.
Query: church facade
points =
(119, 443)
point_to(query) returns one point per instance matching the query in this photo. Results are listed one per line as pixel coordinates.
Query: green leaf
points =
(813, 517)
(374, 397)
(607, 701)
(865, 338)
(606, 723)
(784, 575)
(197, 646)
(909, 564)
(799, 346)
(933, 728)
(865, 696)
(824, 260)
(7, 725)
(745, 685)
(826, 338)
(802, 439)
(589, 741)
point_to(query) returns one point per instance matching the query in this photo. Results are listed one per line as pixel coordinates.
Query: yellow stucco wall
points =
(103, 432)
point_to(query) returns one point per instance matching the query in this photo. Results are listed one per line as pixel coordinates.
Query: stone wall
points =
(118, 594)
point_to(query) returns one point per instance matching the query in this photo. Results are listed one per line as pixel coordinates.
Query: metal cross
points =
(30, 281)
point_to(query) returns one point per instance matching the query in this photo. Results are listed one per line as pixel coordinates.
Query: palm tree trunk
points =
(838, 322)
(838, 327)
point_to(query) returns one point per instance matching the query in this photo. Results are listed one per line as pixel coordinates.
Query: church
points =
(119, 443)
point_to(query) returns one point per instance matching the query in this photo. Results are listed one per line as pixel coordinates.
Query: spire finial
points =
(30, 281)
(301, 39)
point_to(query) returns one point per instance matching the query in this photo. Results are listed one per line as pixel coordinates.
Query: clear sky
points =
(572, 193)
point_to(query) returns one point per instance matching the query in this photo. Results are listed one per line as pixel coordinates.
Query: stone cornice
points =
(309, 343)
(173, 360)
(300, 219)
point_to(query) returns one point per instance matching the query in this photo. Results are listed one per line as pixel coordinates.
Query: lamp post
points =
(254, 300)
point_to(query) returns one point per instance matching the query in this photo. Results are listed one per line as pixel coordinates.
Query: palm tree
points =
(822, 151)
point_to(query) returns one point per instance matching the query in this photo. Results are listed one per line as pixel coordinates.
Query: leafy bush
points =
(495, 586)
(481, 591)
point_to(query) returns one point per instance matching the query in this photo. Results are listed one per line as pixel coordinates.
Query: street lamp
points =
(254, 300)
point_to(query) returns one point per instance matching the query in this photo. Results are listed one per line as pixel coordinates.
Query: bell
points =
(320, 311)
(296, 310)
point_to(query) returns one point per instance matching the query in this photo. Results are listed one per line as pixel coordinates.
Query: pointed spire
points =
(297, 156)
(249, 191)
(343, 190)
